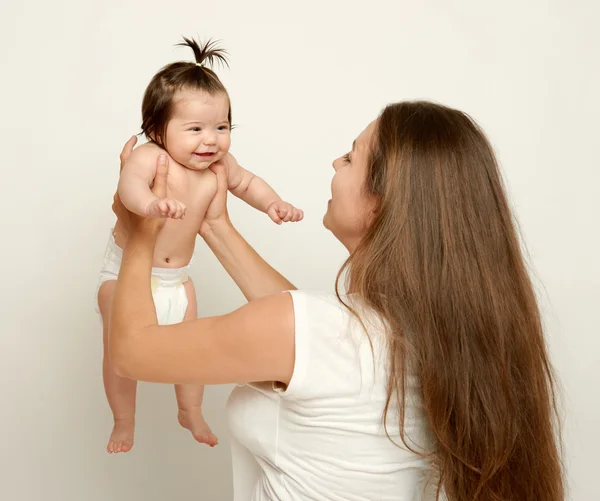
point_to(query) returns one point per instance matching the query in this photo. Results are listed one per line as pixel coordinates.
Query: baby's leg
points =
(120, 391)
(189, 396)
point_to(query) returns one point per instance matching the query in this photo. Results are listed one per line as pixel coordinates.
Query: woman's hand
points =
(129, 221)
(252, 274)
(217, 214)
(126, 152)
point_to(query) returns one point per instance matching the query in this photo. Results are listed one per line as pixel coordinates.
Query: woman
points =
(430, 374)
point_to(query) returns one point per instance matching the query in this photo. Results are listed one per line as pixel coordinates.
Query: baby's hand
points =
(165, 207)
(282, 212)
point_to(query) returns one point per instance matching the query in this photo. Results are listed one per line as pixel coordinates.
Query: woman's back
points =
(323, 437)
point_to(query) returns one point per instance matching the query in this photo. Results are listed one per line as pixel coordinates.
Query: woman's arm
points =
(254, 343)
(252, 274)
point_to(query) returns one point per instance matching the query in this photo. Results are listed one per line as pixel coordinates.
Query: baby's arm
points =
(135, 183)
(257, 193)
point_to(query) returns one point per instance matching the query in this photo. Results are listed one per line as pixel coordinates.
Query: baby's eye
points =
(223, 127)
(196, 129)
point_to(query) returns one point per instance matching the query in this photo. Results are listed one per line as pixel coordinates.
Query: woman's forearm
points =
(133, 307)
(252, 274)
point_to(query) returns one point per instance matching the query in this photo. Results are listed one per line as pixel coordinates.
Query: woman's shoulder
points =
(342, 307)
(325, 322)
(316, 298)
(318, 305)
(325, 299)
(333, 337)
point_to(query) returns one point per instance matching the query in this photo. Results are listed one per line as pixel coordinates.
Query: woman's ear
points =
(373, 207)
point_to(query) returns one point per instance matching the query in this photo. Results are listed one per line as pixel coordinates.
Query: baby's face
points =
(198, 133)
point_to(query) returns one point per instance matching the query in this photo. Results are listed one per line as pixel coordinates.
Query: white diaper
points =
(168, 292)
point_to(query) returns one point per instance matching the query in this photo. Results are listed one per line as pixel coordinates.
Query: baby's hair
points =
(157, 105)
(208, 52)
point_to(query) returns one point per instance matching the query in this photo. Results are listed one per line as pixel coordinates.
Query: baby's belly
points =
(174, 246)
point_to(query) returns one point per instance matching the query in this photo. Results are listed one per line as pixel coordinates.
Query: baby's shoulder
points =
(147, 152)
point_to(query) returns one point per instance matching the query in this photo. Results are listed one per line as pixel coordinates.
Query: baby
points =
(187, 116)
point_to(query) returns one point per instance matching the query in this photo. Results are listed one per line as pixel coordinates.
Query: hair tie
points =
(200, 64)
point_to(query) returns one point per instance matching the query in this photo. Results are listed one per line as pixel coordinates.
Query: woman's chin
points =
(326, 220)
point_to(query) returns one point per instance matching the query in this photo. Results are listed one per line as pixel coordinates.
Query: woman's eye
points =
(346, 158)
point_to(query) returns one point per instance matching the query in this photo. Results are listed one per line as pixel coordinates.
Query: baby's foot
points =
(193, 420)
(121, 438)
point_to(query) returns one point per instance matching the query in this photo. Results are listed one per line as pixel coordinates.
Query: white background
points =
(305, 78)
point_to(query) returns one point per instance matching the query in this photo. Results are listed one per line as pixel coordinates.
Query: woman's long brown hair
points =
(442, 264)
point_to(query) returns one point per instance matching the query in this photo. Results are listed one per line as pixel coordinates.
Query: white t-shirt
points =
(323, 438)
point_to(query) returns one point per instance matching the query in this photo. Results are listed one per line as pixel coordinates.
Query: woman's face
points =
(350, 210)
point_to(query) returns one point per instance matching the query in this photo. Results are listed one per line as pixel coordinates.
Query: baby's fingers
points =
(180, 212)
(163, 208)
(176, 210)
(273, 214)
(172, 208)
(298, 215)
(286, 214)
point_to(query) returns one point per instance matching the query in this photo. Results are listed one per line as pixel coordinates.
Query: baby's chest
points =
(194, 189)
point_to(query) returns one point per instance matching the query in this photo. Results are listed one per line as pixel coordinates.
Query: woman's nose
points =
(335, 164)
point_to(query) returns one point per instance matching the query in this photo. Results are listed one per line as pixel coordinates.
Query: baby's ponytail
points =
(207, 53)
